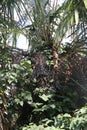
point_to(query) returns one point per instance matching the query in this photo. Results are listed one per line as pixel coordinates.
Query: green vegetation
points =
(45, 87)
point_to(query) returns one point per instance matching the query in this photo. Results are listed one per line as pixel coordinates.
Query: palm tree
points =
(47, 25)
(45, 21)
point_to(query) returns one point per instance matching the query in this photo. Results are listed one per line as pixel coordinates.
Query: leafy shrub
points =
(64, 122)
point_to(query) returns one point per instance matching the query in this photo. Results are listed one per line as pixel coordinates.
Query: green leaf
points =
(51, 81)
(76, 16)
(52, 106)
(21, 103)
(72, 20)
(28, 96)
(26, 63)
(85, 2)
(44, 97)
(39, 104)
(17, 100)
(67, 115)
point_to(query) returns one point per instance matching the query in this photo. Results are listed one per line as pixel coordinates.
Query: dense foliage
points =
(46, 86)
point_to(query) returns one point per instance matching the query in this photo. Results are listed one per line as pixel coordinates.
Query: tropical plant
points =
(42, 84)
(65, 122)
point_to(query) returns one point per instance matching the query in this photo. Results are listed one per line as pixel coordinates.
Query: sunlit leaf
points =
(21, 103)
(76, 16)
(85, 2)
(44, 97)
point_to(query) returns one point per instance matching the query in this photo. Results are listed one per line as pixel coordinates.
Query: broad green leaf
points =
(44, 97)
(21, 103)
(28, 96)
(85, 2)
(67, 115)
(17, 100)
(53, 106)
(26, 63)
